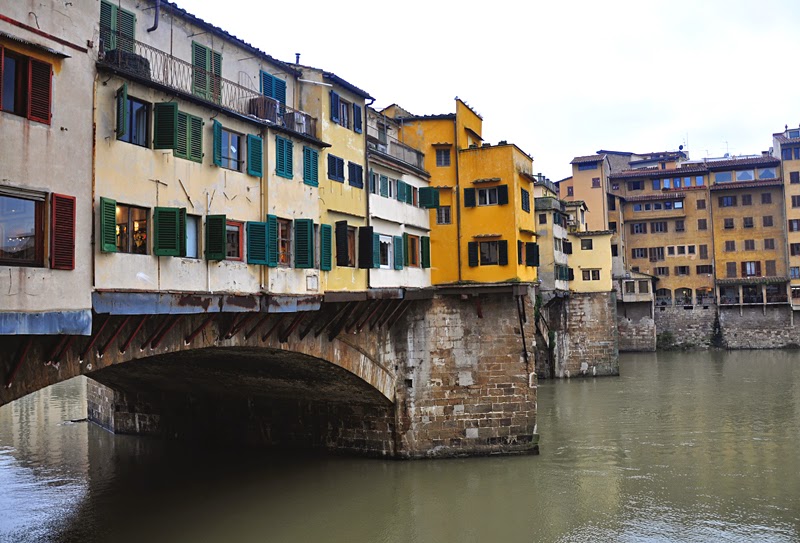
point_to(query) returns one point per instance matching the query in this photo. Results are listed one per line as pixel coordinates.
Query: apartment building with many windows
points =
(786, 148)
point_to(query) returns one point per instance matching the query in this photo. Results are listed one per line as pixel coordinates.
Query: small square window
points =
(284, 242)
(586, 244)
(233, 240)
(443, 215)
(132, 229)
(442, 157)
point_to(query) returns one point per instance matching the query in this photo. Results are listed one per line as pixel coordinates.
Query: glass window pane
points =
(17, 229)
(192, 229)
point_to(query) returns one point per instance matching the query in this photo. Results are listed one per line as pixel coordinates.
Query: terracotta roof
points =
(752, 281)
(575, 203)
(434, 117)
(657, 173)
(735, 185)
(666, 195)
(587, 159)
(349, 86)
(748, 161)
(486, 180)
(781, 138)
(589, 233)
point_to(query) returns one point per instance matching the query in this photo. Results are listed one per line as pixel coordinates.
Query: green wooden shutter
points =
(122, 110)
(257, 243)
(166, 231)
(531, 254)
(200, 68)
(502, 252)
(398, 252)
(195, 137)
(279, 89)
(216, 237)
(401, 191)
(182, 231)
(108, 25)
(334, 107)
(303, 243)
(255, 155)
(182, 146)
(376, 250)
(165, 125)
(215, 81)
(384, 186)
(283, 157)
(267, 84)
(217, 152)
(272, 241)
(289, 144)
(469, 197)
(426, 252)
(472, 253)
(406, 255)
(428, 197)
(502, 194)
(310, 166)
(126, 27)
(108, 225)
(357, 122)
(325, 235)
(410, 194)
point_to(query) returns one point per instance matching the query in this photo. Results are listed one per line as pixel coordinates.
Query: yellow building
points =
(786, 146)
(590, 261)
(484, 229)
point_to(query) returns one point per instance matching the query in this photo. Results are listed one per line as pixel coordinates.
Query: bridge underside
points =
(245, 396)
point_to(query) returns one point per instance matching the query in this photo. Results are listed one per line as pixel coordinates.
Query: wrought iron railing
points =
(729, 300)
(663, 300)
(683, 300)
(146, 62)
(777, 298)
(706, 300)
(382, 142)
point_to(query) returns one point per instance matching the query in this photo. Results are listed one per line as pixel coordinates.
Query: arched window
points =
(663, 296)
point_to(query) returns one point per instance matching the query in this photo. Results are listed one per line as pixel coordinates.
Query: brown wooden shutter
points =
(39, 84)
(62, 232)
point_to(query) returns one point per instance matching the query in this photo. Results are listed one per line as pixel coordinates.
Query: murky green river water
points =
(682, 447)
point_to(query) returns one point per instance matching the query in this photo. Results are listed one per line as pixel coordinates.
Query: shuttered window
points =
(325, 247)
(357, 119)
(469, 198)
(366, 247)
(355, 175)
(401, 191)
(62, 232)
(165, 125)
(168, 225)
(206, 73)
(303, 243)
(334, 105)
(526, 200)
(428, 197)
(472, 253)
(108, 225)
(335, 168)
(342, 244)
(25, 86)
(426, 251)
(273, 87)
(384, 186)
(189, 137)
(216, 237)
(255, 155)
(117, 27)
(284, 150)
(399, 256)
(257, 243)
(310, 166)
(272, 241)
(531, 254)
(376, 250)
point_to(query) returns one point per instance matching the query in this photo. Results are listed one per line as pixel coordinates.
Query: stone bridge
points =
(392, 373)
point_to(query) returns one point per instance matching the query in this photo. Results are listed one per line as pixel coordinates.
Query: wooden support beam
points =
(274, 326)
(380, 315)
(520, 310)
(314, 320)
(58, 346)
(391, 313)
(64, 350)
(284, 337)
(239, 325)
(131, 337)
(405, 305)
(158, 329)
(478, 306)
(113, 337)
(253, 330)
(20, 359)
(356, 315)
(188, 339)
(524, 312)
(377, 306)
(93, 339)
(166, 331)
(228, 332)
(338, 314)
(340, 324)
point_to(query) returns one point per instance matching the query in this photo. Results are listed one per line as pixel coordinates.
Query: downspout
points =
(94, 182)
(262, 206)
(458, 198)
(367, 179)
(155, 19)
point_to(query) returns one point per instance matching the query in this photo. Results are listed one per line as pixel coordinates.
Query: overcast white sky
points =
(558, 78)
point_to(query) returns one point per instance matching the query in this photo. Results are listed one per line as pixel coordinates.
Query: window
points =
(681, 270)
(749, 245)
(637, 207)
(723, 177)
(234, 233)
(206, 73)
(443, 215)
(542, 218)
(794, 178)
(704, 252)
(355, 175)
(489, 252)
(586, 244)
(612, 225)
(587, 166)
(745, 175)
(667, 205)
(412, 250)
(26, 86)
(766, 198)
(794, 225)
(658, 227)
(748, 222)
(730, 246)
(570, 191)
(769, 244)
(526, 200)
(284, 242)
(679, 226)
(681, 249)
(704, 268)
(595, 182)
(667, 183)
(636, 185)
(284, 155)
(678, 204)
(747, 199)
(614, 249)
(192, 236)
(590, 275)
(728, 224)
(442, 158)
(117, 27)
(770, 268)
(131, 229)
(487, 197)
(644, 286)
(21, 230)
(786, 154)
(656, 254)
(630, 287)
(751, 269)
(656, 184)
(767, 219)
(727, 201)
(639, 228)
(340, 110)
(794, 249)
(795, 201)
(132, 118)
(690, 249)
(336, 169)
(386, 254)
(701, 204)
(558, 244)
(638, 253)
(274, 88)
(699, 181)
(730, 269)
(671, 250)
(311, 169)
(794, 273)
(766, 173)
(661, 271)
(702, 224)
(230, 146)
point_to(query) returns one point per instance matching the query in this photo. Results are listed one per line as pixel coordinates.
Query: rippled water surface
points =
(682, 447)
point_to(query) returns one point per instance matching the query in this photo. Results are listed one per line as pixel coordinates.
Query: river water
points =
(681, 447)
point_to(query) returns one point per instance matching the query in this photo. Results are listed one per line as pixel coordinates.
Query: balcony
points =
(383, 143)
(149, 64)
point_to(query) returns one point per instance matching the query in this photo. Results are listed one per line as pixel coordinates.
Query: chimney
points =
(297, 58)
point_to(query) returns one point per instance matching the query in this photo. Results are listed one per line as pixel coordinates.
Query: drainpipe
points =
(367, 221)
(155, 19)
(458, 197)
(262, 206)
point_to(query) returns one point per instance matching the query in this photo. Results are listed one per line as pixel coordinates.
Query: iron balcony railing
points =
(706, 300)
(729, 300)
(383, 143)
(146, 62)
(663, 300)
(781, 298)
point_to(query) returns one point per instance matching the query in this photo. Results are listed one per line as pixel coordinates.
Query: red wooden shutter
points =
(62, 232)
(39, 85)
